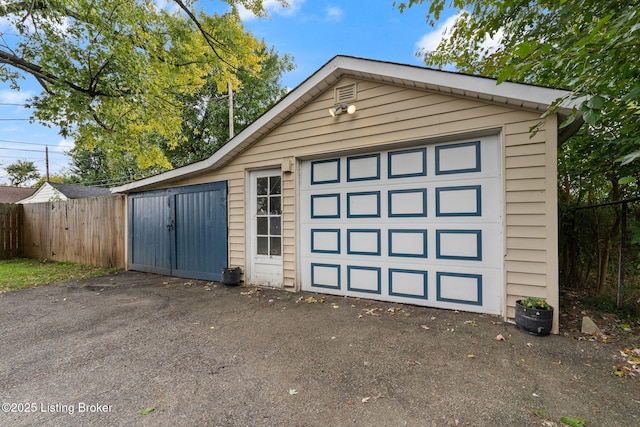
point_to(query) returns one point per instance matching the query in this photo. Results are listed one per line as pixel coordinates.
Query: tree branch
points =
(44, 78)
(207, 37)
(28, 7)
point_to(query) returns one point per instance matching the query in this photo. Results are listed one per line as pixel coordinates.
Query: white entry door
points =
(419, 225)
(265, 224)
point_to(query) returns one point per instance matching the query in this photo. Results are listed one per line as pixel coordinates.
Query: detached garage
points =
(375, 180)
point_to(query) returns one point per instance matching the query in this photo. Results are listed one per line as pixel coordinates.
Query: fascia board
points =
(468, 84)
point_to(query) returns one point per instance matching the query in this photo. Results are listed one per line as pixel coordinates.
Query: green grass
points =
(26, 273)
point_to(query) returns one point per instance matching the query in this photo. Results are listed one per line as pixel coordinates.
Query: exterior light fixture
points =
(342, 108)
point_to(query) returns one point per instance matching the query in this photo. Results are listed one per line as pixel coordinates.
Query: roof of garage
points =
(530, 97)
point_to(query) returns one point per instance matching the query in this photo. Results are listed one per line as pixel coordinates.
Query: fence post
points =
(621, 251)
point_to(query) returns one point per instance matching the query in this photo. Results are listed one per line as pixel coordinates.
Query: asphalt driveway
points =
(101, 351)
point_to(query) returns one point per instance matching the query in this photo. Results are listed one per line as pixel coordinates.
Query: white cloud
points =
(334, 13)
(493, 43)
(273, 7)
(14, 96)
(66, 144)
(429, 42)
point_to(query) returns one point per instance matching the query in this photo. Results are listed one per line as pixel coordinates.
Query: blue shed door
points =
(179, 231)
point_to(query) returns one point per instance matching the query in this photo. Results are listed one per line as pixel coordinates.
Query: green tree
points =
(206, 113)
(113, 71)
(98, 168)
(591, 47)
(21, 172)
(205, 126)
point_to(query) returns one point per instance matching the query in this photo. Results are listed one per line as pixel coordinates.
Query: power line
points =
(14, 120)
(31, 150)
(11, 104)
(26, 143)
(21, 142)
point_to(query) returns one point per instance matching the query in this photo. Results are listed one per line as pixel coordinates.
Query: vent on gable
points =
(345, 93)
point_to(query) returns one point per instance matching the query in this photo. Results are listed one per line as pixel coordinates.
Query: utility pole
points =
(46, 160)
(231, 132)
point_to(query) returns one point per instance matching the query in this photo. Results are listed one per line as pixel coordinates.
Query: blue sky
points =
(312, 31)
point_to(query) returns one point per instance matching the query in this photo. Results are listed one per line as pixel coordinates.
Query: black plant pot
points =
(534, 321)
(230, 276)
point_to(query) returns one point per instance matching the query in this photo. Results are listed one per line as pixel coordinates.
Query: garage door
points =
(180, 231)
(419, 225)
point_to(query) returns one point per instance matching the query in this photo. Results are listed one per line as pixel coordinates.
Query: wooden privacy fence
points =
(11, 234)
(87, 231)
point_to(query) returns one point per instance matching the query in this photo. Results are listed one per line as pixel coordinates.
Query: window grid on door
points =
(269, 215)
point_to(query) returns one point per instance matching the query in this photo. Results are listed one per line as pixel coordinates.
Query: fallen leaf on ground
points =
(499, 337)
(365, 399)
(573, 421)
(631, 357)
(425, 327)
(146, 411)
(293, 391)
(471, 356)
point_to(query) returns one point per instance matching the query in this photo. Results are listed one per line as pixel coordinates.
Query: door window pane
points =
(275, 246)
(263, 228)
(274, 229)
(274, 185)
(262, 205)
(262, 185)
(274, 205)
(263, 246)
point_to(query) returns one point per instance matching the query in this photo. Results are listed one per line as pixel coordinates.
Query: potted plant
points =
(534, 315)
(231, 276)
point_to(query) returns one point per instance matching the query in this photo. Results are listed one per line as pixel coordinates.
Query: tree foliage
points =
(206, 113)
(205, 125)
(114, 72)
(22, 172)
(591, 47)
